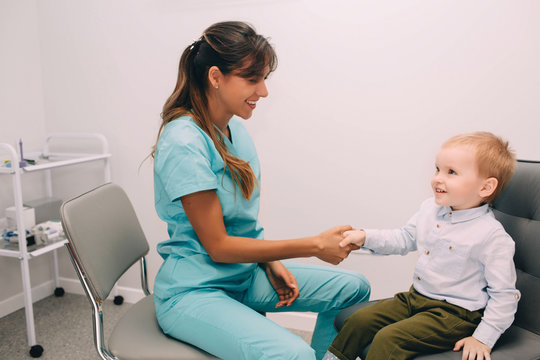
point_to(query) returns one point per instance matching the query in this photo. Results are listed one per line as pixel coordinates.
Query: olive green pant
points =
(403, 327)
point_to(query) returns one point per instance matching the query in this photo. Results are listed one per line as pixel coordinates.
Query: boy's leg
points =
(323, 290)
(360, 328)
(217, 323)
(431, 329)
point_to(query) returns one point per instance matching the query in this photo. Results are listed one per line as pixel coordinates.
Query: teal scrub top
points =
(186, 161)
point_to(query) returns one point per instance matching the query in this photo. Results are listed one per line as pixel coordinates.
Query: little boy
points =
(463, 293)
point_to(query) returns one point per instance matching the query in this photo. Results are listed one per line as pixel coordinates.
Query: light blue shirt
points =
(466, 259)
(187, 161)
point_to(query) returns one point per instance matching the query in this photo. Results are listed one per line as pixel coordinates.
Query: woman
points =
(218, 272)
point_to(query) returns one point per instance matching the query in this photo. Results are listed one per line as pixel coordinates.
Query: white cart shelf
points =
(44, 161)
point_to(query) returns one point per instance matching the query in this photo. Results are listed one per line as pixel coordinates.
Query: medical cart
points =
(16, 166)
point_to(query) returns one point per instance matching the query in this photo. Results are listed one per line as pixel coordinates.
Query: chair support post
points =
(144, 278)
(97, 314)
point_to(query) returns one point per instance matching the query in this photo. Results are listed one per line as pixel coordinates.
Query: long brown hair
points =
(230, 46)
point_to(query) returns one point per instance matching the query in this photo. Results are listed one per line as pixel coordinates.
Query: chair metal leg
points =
(144, 278)
(97, 313)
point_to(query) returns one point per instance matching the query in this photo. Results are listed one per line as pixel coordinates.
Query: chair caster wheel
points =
(59, 292)
(118, 300)
(36, 351)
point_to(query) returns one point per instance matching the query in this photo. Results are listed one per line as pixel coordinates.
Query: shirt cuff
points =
(367, 242)
(486, 334)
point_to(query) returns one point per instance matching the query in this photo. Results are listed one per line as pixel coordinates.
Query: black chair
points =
(518, 209)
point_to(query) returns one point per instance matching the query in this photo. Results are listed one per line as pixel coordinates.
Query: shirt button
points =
(516, 296)
(418, 278)
(438, 226)
(427, 252)
(450, 248)
(450, 214)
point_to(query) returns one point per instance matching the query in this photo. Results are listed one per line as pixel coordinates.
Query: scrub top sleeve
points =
(184, 167)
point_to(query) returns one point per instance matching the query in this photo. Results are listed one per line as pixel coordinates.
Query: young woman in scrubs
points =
(219, 273)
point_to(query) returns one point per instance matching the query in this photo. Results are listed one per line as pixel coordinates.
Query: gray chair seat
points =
(138, 336)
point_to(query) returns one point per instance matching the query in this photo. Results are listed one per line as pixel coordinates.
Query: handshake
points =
(353, 237)
(335, 244)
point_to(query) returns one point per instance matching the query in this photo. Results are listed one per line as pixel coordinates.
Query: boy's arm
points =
(500, 273)
(386, 242)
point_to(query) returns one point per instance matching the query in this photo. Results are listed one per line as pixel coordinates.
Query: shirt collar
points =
(456, 216)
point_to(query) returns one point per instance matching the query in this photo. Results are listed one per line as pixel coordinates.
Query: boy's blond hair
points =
(494, 157)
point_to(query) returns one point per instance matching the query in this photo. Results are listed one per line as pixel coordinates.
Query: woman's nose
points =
(262, 91)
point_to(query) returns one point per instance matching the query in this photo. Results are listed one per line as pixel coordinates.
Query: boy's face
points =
(456, 182)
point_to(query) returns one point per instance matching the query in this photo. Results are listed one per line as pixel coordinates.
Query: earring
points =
(217, 87)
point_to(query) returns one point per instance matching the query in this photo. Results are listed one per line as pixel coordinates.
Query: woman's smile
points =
(251, 104)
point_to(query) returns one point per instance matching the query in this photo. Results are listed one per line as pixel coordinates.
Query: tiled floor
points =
(63, 328)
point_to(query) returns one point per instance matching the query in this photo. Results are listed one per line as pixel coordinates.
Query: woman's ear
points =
(488, 187)
(214, 76)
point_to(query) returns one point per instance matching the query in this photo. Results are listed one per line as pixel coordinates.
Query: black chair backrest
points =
(518, 209)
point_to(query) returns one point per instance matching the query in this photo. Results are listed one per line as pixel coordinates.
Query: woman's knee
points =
(356, 286)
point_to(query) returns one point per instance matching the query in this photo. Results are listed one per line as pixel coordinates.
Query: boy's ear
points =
(489, 186)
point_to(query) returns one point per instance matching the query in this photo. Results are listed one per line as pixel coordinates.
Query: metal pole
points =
(23, 256)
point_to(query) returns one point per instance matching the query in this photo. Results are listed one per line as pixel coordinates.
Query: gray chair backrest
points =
(518, 209)
(104, 234)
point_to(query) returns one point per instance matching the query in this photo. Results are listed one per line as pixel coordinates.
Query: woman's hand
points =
(473, 349)
(328, 243)
(282, 281)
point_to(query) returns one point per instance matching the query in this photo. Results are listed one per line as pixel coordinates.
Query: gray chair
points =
(518, 209)
(104, 240)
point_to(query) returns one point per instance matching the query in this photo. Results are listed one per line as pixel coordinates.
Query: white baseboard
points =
(291, 320)
(72, 286)
(130, 295)
(16, 302)
(303, 321)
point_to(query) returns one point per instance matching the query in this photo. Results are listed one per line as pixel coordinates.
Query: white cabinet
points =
(43, 162)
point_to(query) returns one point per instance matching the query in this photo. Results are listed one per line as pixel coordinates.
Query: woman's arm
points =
(203, 210)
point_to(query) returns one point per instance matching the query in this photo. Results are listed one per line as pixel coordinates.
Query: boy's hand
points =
(356, 237)
(473, 349)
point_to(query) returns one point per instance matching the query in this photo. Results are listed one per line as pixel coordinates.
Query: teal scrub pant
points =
(229, 325)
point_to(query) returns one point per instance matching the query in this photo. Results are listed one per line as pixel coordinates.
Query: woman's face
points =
(239, 95)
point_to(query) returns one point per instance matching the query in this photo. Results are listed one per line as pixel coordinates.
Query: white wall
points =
(21, 116)
(364, 94)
